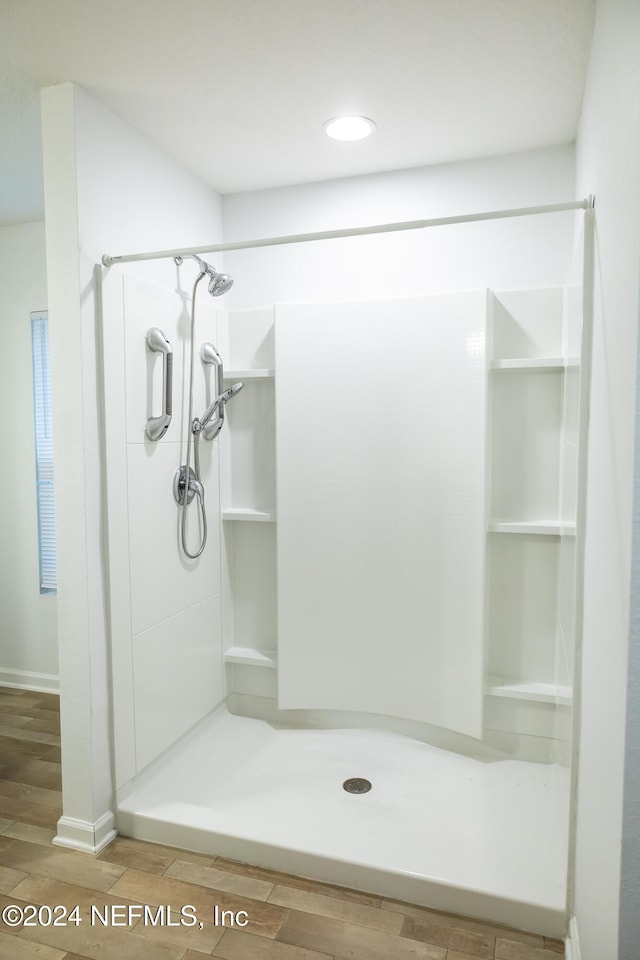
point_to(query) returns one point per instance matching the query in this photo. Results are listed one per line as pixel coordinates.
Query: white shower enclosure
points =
(389, 588)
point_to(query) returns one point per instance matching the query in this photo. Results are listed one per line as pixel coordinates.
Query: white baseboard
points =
(572, 943)
(27, 680)
(84, 835)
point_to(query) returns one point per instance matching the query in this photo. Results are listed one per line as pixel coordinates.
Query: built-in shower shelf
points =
(244, 513)
(541, 528)
(262, 373)
(539, 692)
(536, 364)
(251, 657)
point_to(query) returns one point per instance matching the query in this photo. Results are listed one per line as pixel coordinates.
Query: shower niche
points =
(534, 399)
(531, 387)
(248, 499)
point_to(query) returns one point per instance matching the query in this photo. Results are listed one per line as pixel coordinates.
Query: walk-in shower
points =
(387, 599)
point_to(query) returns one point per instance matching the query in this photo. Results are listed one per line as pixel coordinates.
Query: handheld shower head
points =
(231, 392)
(220, 401)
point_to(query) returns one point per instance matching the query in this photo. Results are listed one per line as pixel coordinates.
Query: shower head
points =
(220, 401)
(231, 392)
(219, 283)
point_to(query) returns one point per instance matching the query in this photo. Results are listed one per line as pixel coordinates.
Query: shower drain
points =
(357, 785)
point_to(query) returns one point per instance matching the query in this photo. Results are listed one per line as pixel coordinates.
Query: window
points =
(44, 451)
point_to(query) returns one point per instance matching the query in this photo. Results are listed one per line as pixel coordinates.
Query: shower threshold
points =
(485, 839)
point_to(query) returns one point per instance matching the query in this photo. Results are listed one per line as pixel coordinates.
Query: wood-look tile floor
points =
(287, 917)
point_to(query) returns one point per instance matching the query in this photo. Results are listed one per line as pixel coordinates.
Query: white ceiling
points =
(238, 90)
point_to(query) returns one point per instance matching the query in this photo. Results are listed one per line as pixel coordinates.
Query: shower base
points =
(486, 839)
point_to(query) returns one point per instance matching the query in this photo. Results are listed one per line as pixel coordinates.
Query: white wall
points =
(107, 190)
(29, 649)
(608, 160)
(509, 253)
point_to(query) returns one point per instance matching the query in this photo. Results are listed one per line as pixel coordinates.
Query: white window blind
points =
(44, 451)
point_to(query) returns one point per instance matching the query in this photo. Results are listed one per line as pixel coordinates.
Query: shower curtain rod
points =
(585, 204)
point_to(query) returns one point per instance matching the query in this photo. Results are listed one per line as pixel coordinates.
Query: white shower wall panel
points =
(381, 413)
(166, 634)
(162, 580)
(176, 675)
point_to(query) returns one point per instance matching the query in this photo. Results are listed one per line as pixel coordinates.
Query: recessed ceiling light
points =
(349, 128)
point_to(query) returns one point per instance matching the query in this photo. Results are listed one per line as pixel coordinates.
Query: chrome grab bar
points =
(209, 354)
(156, 427)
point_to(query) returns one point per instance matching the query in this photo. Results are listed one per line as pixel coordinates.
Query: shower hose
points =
(188, 483)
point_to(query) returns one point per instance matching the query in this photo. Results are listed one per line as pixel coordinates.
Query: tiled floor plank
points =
(28, 735)
(508, 950)
(455, 955)
(446, 934)
(463, 923)
(20, 749)
(28, 792)
(150, 857)
(37, 724)
(13, 719)
(220, 880)
(49, 700)
(31, 713)
(12, 948)
(77, 956)
(26, 811)
(301, 883)
(58, 864)
(30, 833)
(128, 854)
(264, 919)
(557, 946)
(104, 943)
(94, 905)
(236, 945)
(17, 701)
(38, 773)
(201, 939)
(10, 878)
(46, 892)
(336, 909)
(189, 955)
(348, 940)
